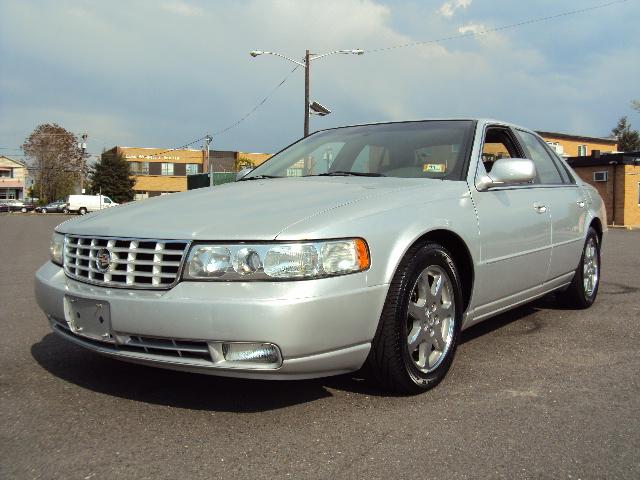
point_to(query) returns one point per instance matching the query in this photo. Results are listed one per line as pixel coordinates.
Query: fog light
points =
(263, 353)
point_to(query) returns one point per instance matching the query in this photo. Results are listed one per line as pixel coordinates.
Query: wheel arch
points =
(461, 256)
(597, 226)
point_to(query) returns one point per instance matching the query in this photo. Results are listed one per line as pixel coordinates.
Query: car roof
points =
(482, 121)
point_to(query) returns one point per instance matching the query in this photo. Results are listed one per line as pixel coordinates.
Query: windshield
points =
(428, 149)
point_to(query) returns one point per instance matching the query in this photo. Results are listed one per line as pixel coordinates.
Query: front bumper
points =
(322, 327)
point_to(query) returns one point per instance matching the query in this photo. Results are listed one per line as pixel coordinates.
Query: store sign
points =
(151, 157)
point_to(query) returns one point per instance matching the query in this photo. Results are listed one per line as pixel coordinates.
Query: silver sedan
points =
(364, 247)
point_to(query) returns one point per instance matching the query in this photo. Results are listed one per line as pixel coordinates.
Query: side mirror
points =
(507, 171)
(243, 173)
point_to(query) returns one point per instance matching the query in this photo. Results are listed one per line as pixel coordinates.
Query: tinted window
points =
(430, 149)
(497, 145)
(545, 167)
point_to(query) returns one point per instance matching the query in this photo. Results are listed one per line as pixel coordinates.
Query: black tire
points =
(23, 210)
(82, 211)
(577, 295)
(390, 364)
(44, 210)
(65, 210)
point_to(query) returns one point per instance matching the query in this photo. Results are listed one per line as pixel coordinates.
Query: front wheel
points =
(420, 322)
(82, 211)
(584, 287)
(44, 210)
(23, 210)
(65, 210)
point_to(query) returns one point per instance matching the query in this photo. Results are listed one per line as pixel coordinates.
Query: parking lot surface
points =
(539, 392)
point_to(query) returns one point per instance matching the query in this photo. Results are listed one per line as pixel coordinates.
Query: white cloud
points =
(472, 28)
(447, 9)
(181, 8)
(100, 69)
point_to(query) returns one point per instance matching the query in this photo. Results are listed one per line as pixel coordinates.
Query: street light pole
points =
(306, 64)
(307, 73)
(207, 140)
(83, 149)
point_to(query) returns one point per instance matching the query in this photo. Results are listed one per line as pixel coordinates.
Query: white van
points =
(82, 204)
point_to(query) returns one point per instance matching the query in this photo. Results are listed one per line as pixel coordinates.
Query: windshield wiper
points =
(258, 177)
(345, 173)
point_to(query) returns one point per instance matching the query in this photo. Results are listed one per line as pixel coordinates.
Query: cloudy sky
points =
(163, 73)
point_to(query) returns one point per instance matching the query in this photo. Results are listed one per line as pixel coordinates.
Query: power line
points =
(239, 121)
(500, 28)
(258, 105)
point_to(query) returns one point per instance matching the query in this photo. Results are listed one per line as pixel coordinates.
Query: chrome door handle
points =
(540, 208)
(580, 203)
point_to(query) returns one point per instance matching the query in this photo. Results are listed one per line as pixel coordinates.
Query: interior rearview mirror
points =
(507, 171)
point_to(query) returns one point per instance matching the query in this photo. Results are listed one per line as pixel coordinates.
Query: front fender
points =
(392, 225)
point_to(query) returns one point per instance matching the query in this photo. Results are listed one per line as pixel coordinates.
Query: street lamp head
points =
(255, 53)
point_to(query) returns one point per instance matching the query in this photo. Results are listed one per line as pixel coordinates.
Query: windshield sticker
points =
(434, 167)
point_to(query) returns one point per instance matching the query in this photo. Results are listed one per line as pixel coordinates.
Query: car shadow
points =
(101, 374)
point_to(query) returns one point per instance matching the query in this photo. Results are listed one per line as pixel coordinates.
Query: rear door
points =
(515, 230)
(566, 203)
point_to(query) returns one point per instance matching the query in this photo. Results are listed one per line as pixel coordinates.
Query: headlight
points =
(56, 248)
(280, 261)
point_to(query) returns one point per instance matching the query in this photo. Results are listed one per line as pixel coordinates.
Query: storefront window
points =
(191, 168)
(167, 169)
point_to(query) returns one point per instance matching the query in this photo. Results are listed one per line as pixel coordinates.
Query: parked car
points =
(59, 206)
(365, 246)
(13, 205)
(82, 204)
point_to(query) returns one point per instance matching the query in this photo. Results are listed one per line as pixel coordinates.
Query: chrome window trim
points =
(88, 281)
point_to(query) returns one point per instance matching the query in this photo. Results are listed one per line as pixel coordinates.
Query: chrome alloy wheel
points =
(590, 267)
(430, 319)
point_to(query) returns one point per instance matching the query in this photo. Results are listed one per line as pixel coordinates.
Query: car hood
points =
(248, 210)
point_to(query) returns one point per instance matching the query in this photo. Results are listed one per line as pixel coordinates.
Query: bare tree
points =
(54, 160)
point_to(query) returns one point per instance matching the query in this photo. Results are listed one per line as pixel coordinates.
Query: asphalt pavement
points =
(540, 392)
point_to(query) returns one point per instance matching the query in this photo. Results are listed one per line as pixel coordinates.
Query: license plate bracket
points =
(88, 318)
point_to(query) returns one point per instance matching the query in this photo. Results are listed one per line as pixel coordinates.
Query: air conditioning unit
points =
(600, 176)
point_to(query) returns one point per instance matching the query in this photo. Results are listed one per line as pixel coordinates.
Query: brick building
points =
(617, 179)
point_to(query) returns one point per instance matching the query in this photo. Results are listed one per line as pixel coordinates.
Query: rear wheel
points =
(65, 210)
(44, 210)
(584, 287)
(420, 323)
(82, 211)
(23, 209)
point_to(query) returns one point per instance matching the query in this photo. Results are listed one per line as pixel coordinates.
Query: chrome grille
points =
(133, 263)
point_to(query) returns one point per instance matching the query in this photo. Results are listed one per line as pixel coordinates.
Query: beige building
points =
(13, 175)
(160, 171)
(568, 145)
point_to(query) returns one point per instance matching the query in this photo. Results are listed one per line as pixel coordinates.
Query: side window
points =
(497, 144)
(107, 200)
(560, 165)
(545, 167)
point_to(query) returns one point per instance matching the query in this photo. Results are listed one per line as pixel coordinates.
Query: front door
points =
(515, 232)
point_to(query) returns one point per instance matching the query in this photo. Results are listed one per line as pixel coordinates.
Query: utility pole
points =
(306, 64)
(307, 74)
(83, 149)
(207, 140)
